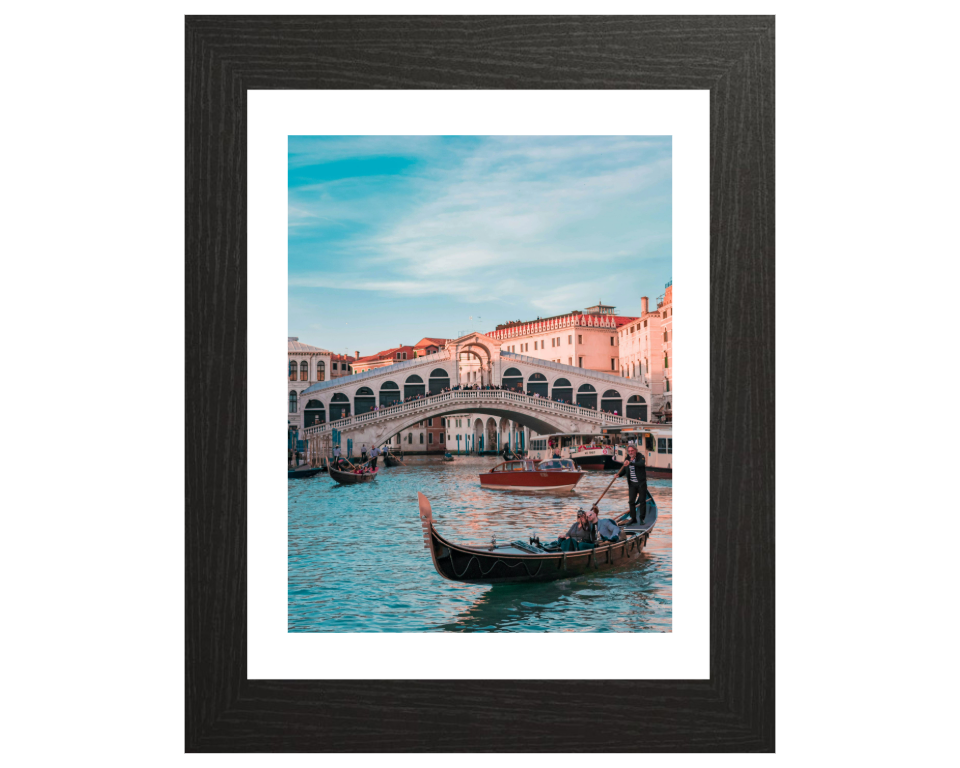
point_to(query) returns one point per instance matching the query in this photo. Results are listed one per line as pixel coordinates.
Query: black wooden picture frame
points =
(733, 58)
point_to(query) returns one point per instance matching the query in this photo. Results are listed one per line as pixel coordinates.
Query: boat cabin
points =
(560, 465)
(524, 465)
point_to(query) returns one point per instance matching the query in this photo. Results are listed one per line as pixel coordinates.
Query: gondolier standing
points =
(374, 452)
(363, 453)
(635, 468)
(336, 455)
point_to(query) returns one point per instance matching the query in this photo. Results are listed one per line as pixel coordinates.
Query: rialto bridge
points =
(372, 406)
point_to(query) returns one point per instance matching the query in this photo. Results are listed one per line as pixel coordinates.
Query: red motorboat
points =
(529, 475)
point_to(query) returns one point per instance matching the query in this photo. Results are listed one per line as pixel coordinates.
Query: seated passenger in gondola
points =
(582, 530)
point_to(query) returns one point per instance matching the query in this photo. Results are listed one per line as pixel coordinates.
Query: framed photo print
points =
(472, 228)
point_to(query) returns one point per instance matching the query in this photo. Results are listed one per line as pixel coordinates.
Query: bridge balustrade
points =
(475, 396)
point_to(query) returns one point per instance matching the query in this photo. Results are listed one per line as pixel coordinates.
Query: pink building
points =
(342, 365)
(646, 349)
(587, 339)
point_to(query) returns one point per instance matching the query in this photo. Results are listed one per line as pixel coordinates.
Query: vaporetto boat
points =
(606, 448)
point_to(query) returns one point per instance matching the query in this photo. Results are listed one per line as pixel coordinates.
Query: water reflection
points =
(357, 561)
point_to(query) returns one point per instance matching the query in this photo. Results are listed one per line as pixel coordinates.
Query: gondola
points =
(391, 461)
(301, 472)
(349, 478)
(448, 457)
(522, 562)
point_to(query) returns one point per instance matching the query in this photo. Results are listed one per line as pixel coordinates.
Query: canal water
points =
(357, 561)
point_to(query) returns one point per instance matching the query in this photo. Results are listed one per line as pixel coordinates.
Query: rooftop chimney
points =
(644, 305)
(293, 338)
(357, 353)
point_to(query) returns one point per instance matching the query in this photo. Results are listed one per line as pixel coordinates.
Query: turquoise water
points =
(357, 562)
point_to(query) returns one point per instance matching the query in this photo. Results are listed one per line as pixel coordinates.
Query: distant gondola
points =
(349, 478)
(448, 457)
(390, 460)
(520, 562)
(300, 472)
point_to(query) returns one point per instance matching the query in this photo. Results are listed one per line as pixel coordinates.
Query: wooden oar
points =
(615, 478)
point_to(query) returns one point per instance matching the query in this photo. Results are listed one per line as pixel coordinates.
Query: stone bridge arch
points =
(540, 423)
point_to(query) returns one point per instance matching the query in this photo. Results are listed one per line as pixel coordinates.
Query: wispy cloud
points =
(533, 223)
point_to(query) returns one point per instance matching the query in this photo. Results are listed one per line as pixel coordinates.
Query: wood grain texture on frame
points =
(733, 58)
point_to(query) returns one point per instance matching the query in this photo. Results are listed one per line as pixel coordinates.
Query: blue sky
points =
(393, 238)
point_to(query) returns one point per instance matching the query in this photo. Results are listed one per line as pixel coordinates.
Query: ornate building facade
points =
(306, 365)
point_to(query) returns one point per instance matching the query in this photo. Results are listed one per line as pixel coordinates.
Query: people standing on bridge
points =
(635, 469)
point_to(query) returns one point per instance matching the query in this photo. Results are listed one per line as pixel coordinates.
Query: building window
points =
(430, 422)
(664, 335)
(644, 323)
(441, 437)
(321, 371)
(581, 361)
(293, 370)
(611, 341)
(293, 401)
(304, 371)
(666, 360)
(334, 366)
(613, 363)
(667, 383)
(421, 438)
(410, 438)
(579, 338)
(570, 339)
(431, 439)
(569, 361)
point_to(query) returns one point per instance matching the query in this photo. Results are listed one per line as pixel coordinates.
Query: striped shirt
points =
(633, 472)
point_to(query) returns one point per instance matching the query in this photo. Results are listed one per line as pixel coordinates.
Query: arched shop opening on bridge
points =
(314, 413)
(537, 384)
(389, 394)
(413, 386)
(511, 379)
(562, 390)
(612, 402)
(439, 380)
(339, 406)
(587, 396)
(363, 401)
(637, 408)
(490, 443)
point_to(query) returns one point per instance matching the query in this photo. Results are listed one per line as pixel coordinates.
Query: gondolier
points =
(374, 452)
(635, 469)
(363, 453)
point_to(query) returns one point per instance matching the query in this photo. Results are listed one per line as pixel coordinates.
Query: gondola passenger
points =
(582, 530)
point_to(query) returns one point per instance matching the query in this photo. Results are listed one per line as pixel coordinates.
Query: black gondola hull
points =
(506, 565)
(301, 472)
(349, 478)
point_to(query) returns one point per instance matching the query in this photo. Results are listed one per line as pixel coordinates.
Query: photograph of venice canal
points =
(480, 384)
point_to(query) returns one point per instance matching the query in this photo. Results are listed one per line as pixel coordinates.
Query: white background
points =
(272, 116)
(92, 309)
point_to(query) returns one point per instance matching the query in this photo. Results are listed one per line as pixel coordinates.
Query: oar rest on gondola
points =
(522, 561)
